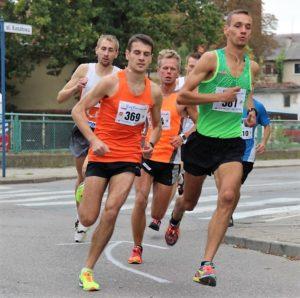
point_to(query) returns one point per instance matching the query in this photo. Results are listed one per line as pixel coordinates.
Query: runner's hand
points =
(229, 94)
(176, 141)
(260, 148)
(81, 83)
(99, 147)
(147, 151)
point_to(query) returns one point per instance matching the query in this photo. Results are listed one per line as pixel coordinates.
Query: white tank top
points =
(93, 80)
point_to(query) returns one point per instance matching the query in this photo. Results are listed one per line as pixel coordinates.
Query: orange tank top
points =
(120, 121)
(171, 127)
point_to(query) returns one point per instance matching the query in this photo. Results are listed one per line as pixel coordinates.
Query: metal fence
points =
(39, 132)
(51, 132)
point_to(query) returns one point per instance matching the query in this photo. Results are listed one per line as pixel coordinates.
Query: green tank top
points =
(220, 119)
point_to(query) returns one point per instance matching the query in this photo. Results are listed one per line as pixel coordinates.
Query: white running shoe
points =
(80, 231)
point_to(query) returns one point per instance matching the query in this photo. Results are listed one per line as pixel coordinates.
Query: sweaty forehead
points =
(240, 18)
(107, 43)
(140, 46)
(171, 62)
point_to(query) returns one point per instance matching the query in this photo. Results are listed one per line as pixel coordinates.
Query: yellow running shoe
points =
(79, 192)
(86, 280)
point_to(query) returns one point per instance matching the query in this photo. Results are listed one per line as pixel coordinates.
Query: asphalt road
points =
(39, 259)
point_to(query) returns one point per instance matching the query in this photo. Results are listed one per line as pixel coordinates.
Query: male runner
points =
(224, 78)
(163, 168)
(249, 137)
(85, 77)
(115, 146)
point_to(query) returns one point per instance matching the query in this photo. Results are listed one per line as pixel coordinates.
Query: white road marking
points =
(48, 204)
(25, 190)
(108, 254)
(261, 212)
(39, 199)
(25, 193)
(282, 217)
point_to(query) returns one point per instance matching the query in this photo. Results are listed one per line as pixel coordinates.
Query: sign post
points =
(11, 28)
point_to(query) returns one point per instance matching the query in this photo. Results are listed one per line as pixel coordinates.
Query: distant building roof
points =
(290, 43)
(267, 87)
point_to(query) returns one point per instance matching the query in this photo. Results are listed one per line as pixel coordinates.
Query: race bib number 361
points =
(235, 106)
(131, 113)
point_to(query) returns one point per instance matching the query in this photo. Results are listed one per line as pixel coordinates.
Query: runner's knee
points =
(141, 200)
(227, 199)
(87, 218)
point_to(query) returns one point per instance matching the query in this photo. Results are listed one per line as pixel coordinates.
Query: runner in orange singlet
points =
(163, 168)
(115, 152)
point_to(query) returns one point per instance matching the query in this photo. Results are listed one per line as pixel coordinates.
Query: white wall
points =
(289, 72)
(274, 102)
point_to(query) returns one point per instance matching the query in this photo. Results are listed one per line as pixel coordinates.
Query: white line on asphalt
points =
(48, 204)
(39, 199)
(24, 190)
(282, 217)
(26, 194)
(108, 254)
(261, 212)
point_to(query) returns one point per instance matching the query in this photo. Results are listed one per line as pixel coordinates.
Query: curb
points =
(274, 247)
(33, 180)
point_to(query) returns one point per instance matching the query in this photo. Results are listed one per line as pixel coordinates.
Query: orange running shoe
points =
(136, 255)
(172, 234)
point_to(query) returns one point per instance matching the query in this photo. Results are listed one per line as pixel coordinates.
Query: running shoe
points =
(155, 224)
(80, 231)
(136, 255)
(79, 192)
(172, 234)
(206, 275)
(86, 280)
(180, 184)
(231, 222)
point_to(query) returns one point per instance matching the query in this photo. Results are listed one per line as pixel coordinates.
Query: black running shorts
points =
(247, 168)
(202, 155)
(109, 169)
(164, 173)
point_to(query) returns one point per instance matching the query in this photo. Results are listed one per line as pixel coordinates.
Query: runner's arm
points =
(75, 85)
(261, 147)
(204, 67)
(155, 115)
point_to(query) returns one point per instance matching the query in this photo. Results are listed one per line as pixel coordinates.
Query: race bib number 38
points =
(131, 113)
(235, 106)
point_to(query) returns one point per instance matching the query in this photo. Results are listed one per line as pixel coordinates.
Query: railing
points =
(51, 132)
(39, 132)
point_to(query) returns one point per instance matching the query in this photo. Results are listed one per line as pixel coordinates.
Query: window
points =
(287, 100)
(269, 69)
(297, 68)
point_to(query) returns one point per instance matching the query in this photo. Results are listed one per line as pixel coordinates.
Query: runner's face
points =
(106, 52)
(168, 71)
(139, 57)
(190, 65)
(239, 30)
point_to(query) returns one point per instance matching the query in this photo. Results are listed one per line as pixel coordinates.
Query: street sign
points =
(17, 28)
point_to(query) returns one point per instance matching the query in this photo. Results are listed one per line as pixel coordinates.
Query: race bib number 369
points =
(235, 106)
(131, 113)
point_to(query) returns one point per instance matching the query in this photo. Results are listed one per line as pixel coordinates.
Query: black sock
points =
(173, 221)
(206, 263)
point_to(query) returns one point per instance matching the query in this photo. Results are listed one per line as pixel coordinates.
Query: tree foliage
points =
(66, 31)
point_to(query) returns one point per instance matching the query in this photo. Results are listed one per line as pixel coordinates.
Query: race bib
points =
(131, 114)
(247, 132)
(165, 120)
(235, 106)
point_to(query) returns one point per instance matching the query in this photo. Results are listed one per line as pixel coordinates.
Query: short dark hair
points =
(236, 11)
(145, 39)
(195, 55)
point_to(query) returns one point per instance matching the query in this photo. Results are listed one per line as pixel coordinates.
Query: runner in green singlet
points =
(224, 80)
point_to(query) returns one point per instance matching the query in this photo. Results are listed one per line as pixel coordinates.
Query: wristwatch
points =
(183, 137)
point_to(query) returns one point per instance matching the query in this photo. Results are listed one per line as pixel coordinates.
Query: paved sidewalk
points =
(280, 237)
